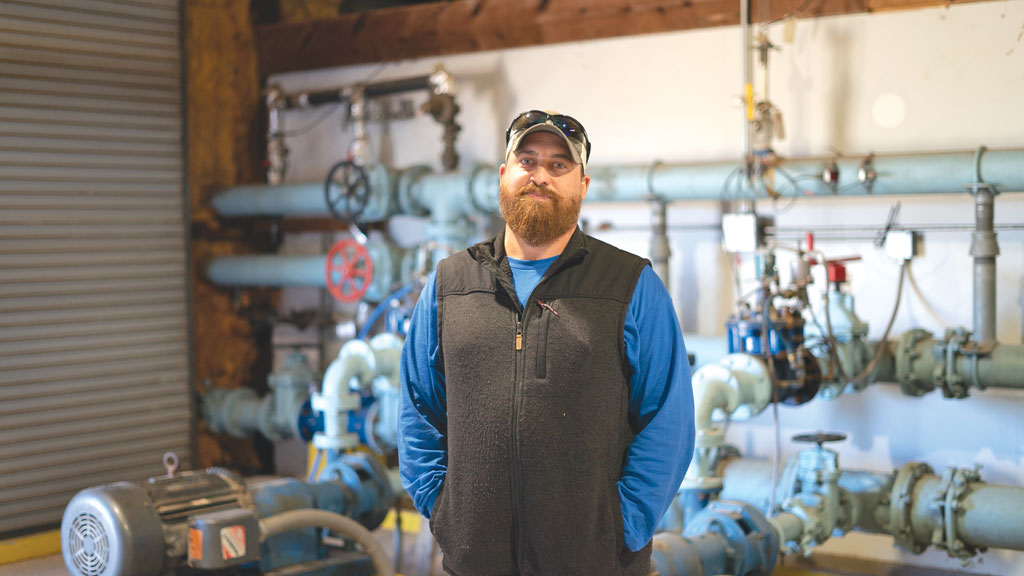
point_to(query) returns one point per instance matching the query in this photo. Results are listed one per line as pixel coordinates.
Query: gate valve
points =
(349, 270)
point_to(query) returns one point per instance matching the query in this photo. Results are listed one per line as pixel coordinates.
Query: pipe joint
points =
(909, 350)
(901, 505)
(945, 505)
(958, 369)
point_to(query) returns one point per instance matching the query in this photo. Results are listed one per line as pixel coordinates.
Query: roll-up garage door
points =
(94, 370)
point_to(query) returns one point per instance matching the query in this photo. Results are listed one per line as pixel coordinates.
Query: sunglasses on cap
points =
(567, 125)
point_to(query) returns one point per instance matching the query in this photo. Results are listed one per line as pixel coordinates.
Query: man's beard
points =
(539, 222)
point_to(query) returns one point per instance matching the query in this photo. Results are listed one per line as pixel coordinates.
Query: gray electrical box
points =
(222, 539)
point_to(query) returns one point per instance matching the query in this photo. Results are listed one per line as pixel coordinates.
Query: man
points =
(547, 414)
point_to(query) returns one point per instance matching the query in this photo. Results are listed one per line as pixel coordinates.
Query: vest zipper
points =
(517, 544)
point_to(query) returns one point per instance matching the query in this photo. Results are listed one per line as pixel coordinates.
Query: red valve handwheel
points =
(349, 270)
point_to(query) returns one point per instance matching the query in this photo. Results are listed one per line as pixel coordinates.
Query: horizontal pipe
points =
(1001, 368)
(335, 95)
(987, 515)
(268, 270)
(931, 173)
(705, 555)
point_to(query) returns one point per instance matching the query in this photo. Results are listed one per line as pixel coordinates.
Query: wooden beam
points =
(461, 26)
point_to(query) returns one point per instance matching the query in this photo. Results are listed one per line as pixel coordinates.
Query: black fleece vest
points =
(538, 419)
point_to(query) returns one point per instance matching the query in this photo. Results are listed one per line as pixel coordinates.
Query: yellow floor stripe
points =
(29, 546)
(410, 521)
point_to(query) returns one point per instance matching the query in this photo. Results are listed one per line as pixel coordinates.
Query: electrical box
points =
(742, 232)
(222, 539)
(901, 244)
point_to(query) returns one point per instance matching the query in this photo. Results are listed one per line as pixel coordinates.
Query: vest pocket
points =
(542, 345)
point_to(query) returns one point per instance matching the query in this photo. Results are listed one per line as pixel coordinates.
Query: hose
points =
(343, 525)
(383, 307)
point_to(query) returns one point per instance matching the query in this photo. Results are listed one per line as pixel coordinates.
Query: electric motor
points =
(143, 529)
(127, 529)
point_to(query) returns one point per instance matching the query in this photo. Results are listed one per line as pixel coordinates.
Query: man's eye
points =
(526, 161)
(560, 166)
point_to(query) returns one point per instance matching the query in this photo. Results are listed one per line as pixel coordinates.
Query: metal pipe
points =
(920, 364)
(984, 249)
(476, 190)
(984, 515)
(706, 555)
(268, 270)
(309, 99)
(661, 251)
(748, 79)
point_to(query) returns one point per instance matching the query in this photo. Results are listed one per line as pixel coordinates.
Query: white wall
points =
(934, 79)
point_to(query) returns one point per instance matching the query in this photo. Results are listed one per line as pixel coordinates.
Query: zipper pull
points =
(519, 335)
(547, 306)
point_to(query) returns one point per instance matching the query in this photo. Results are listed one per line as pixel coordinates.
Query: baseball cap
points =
(570, 129)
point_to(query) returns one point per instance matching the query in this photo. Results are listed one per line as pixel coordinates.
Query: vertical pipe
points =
(748, 78)
(984, 249)
(660, 248)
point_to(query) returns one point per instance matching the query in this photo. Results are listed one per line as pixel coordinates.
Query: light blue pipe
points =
(454, 195)
(268, 270)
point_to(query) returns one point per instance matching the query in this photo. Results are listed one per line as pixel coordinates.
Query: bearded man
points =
(547, 414)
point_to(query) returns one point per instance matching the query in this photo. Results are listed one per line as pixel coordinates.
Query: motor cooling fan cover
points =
(112, 530)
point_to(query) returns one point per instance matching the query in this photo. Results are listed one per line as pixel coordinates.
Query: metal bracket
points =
(958, 342)
(945, 505)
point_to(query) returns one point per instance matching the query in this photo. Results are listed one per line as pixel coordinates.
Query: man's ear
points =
(586, 185)
(501, 171)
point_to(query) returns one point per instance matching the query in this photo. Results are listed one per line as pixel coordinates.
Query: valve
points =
(349, 270)
(346, 190)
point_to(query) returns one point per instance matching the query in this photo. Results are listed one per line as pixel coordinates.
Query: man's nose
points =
(540, 176)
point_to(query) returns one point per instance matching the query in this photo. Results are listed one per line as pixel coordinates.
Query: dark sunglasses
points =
(568, 125)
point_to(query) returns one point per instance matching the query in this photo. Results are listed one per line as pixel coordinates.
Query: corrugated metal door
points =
(94, 378)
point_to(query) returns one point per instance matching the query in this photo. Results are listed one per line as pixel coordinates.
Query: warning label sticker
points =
(195, 544)
(232, 541)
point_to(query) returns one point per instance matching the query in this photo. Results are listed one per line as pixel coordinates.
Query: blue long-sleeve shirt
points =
(660, 403)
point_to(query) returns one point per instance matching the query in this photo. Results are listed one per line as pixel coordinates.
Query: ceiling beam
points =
(461, 26)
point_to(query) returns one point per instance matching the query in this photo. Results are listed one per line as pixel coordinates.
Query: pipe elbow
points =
(355, 360)
(714, 388)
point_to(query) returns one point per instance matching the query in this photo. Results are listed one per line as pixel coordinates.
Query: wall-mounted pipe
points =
(920, 364)
(984, 249)
(931, 173)
(918, 508)
(661, 250)
(391, 265)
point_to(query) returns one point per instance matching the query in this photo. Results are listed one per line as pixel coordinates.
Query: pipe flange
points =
(478, 169)
(956, 340)
(911, 383)
(817, 517)
(900, 504)
(945, 505)
(406, 180)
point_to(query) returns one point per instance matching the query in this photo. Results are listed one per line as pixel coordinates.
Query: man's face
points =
(542, 189)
